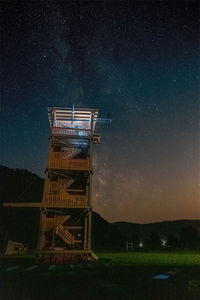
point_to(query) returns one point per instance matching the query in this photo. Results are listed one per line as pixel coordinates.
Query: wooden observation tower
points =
(66, 208)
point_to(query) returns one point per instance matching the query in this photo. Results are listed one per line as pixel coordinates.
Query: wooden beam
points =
(40, 204)
(21, 204)
(73, 227)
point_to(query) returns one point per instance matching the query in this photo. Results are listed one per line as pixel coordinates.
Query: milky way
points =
(137, 62)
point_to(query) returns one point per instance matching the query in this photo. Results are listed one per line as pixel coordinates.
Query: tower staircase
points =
(64, 183)
(64, 234)
(70, 152)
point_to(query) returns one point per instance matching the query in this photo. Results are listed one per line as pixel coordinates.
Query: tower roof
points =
(71, 117)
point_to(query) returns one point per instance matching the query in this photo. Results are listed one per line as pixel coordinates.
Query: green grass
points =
(152, 258)
(117, 276)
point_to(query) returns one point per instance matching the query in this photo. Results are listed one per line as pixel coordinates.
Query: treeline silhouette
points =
(189, 238)
(21, 224)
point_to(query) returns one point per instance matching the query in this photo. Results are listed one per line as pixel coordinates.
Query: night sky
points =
(136, 61)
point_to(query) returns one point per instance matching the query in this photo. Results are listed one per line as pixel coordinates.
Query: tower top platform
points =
(73, 118)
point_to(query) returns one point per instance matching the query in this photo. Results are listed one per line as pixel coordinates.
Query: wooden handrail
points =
(75, 200)
(64, 233)
(70, 131)
(57, 160)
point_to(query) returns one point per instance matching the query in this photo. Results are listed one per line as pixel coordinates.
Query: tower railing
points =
(66, 200)
(58, 160)
(70, 131)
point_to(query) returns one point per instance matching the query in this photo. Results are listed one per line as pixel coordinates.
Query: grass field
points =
(125, 276)
(153, 258)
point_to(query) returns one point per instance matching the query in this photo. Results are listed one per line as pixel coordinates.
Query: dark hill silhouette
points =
(21, 224)
(128, 229)
(105, 235)
(18, 185)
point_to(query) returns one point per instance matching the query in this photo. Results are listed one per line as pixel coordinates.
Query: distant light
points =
(81, 133)
(141, 244)
(164, 242)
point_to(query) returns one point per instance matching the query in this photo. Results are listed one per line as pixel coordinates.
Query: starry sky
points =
(137, 61)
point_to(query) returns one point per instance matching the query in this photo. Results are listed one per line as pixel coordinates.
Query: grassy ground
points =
(124, 276)
(179, 258)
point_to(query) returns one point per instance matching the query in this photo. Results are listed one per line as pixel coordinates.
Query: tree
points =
(172, 241)
(155, 239)
(147, 243)
(135, 240)
(189, 237)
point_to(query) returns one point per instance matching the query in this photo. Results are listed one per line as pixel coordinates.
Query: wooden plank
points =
(21, 204)
(64, 251)
(73, 227)
(39, 205)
